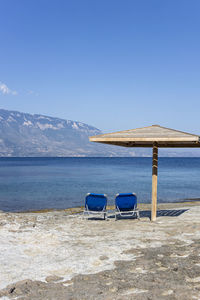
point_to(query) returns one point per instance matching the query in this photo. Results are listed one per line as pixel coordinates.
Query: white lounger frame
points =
(130, 213)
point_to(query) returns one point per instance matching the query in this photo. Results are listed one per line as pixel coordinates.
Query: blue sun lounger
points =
(95, 204)
(126, 205)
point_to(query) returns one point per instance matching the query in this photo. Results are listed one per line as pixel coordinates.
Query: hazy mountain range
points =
(23, 134)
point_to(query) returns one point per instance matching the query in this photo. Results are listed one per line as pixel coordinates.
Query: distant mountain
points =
(23, 134)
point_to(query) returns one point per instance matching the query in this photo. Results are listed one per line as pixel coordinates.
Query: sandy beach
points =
(60, 255)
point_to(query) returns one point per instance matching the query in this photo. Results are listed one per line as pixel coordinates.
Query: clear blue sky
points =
(112, 64)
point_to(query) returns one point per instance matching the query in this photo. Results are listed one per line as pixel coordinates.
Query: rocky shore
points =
(60, 255)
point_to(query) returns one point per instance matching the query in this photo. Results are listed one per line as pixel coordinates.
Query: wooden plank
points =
(150, 144)
(144, 139)
(154, 182)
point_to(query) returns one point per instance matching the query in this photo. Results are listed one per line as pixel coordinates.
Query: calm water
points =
(38, 183)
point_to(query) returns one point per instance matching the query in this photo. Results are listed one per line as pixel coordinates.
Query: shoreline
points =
(142, 206)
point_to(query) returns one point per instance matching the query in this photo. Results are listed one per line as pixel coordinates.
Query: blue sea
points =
(45, 183)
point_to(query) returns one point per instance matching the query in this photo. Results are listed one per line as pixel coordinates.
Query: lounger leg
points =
(138, 215)
(85, 215)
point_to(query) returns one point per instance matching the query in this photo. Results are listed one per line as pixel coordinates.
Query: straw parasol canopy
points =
(154, 136)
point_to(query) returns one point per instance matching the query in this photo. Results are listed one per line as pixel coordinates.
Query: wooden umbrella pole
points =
(154, 182)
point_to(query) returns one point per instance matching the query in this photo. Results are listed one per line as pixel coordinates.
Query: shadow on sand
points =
(163, 213)
(146, 214)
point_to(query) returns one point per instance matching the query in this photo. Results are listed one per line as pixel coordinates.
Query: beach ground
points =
(60, 255)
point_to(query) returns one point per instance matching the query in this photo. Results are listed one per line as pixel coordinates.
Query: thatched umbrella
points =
(154, 136)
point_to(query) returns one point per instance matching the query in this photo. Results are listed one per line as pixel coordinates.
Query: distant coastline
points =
(27, 135)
